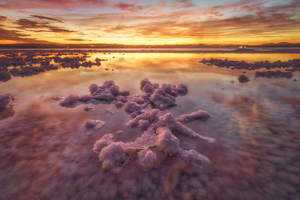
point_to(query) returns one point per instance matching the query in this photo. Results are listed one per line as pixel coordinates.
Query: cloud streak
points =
(47, 18)
(16, 36)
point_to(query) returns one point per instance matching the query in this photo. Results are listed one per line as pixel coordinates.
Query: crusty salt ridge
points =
(198, 115)
(160, 130)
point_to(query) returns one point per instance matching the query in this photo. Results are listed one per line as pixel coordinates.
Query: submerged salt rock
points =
(147, 158)
(106, 140)
(113, 157)
(197, 115)
(243, 79)
(6, 101)
(194, 157)
(91, 126)
(182, 89)
(167, 141)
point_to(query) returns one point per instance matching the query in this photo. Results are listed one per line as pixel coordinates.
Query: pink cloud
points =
(127, 7)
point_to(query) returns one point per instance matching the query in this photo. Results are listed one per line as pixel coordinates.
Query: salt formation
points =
(108, 92)
(243, 79)
(91, 126)
(88, 109)
(274, 74)
(6, 101)
(160, 131)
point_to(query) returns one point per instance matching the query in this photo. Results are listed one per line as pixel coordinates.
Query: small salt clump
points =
(91, 126)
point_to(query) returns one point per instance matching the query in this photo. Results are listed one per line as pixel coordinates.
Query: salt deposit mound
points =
(159, 129)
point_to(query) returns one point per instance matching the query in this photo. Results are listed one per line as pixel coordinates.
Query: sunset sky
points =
(149, 21)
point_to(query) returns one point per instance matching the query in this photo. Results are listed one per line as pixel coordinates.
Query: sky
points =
(153, 22)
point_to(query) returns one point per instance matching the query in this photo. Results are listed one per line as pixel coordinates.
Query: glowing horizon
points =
(149, 22)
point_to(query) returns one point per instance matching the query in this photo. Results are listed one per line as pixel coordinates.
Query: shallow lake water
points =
(45, 153)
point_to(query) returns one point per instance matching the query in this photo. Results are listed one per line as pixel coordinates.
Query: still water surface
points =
(46, 155)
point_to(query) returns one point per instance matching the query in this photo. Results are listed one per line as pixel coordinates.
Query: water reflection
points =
(46, 155)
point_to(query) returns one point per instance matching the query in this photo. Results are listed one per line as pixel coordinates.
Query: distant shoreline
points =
(168, 50)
